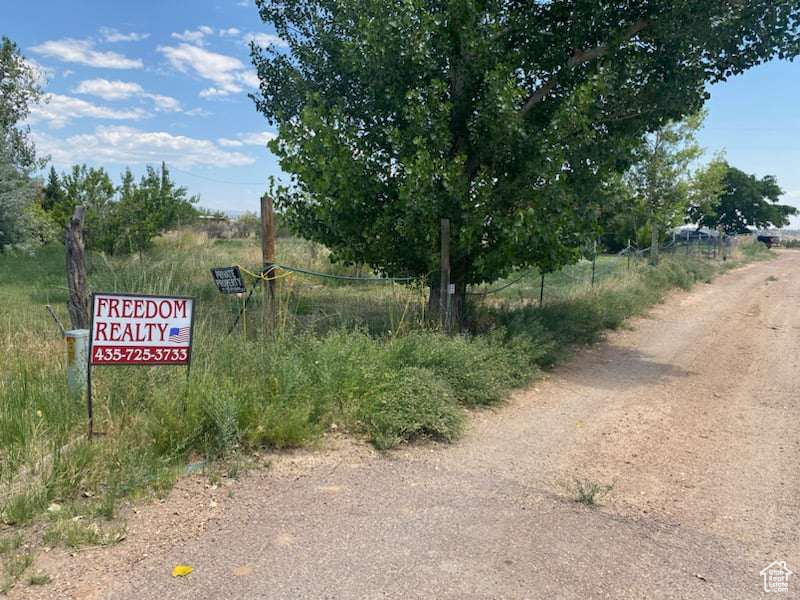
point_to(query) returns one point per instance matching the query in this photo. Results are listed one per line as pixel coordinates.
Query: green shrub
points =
(479, 370)
(412, 403)
(755, 250)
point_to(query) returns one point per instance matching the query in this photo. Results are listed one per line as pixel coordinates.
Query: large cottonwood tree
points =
(745, 202)
(504, 116)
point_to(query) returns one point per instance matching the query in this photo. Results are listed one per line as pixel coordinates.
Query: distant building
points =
(213, 219)
(691, 233)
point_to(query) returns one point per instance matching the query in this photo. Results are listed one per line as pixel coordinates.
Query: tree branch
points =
(580, 57)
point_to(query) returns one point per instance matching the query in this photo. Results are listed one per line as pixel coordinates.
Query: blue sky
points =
(133, 83)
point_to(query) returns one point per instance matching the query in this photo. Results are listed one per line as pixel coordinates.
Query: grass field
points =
(358, 356)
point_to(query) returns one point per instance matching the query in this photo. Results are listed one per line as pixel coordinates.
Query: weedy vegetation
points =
(40, 578)
(589, 493)
(359, 358)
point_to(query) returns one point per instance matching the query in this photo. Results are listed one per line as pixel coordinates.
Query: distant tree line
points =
(119, 219)
(662, 190)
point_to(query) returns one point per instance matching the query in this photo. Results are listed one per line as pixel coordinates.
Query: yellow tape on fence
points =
(262, 276)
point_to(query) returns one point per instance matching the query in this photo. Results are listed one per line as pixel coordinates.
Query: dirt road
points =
(692, 414)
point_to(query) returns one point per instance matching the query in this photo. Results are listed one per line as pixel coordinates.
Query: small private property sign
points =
(129, 329)
(228, 280)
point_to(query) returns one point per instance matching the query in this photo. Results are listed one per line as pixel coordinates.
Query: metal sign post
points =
(229, 280)
(138, 329)
(77, 341)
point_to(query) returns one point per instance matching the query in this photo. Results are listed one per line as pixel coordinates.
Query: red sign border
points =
(187, 363)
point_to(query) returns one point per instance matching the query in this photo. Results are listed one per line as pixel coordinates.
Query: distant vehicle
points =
(693, 233)
(769, 239)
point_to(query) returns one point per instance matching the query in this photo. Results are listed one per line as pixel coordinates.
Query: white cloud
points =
(196, 36)
(265, 39)
(213, 92)
(225, 72)
(255, 138)
(130, 146)
(83, 52)
(193, 37)
(164, 103)
(249, 78)
(198, 112)
(123, 90)
(58, 110)
(113, 35)
(109, 90)
(245, 3)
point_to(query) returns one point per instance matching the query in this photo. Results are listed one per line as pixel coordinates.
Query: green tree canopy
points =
(660, 189)
(745, 202)
(19, 89)
(659, 177)
(503, 116)
(118, 219)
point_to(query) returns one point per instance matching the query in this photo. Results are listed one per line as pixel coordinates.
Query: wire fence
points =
(309, 298)
(315, 296)
(317, 301)
(533, 286)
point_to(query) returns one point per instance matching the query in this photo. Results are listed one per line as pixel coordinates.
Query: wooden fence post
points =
(268, 258)
(541, 292)
(78, 303)
(444, 284)
(629, 254)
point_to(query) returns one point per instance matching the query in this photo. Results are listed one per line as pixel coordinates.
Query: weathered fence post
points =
(268, 259)
(541, 292)
(629, 255)
(445, 300)
(78, 303)
(77, 339)
(654, 243)
(594, 260)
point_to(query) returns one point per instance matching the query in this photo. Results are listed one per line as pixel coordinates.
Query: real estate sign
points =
(132, 329)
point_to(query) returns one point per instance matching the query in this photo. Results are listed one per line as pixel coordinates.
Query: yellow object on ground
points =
(181, 570)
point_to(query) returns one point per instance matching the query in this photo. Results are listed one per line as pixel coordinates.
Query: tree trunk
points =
(458, 313)
(458, 306)
(78, 303)
(654, 242)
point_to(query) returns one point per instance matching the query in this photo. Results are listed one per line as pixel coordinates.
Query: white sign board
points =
(131, 329)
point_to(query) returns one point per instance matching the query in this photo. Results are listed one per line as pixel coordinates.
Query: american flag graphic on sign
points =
(178, 335)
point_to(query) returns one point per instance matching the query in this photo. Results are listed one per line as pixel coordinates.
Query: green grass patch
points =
(358, 357)
(588, 492)
(10, 543)
(14, 566)
(40, 578)
(74, 533)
